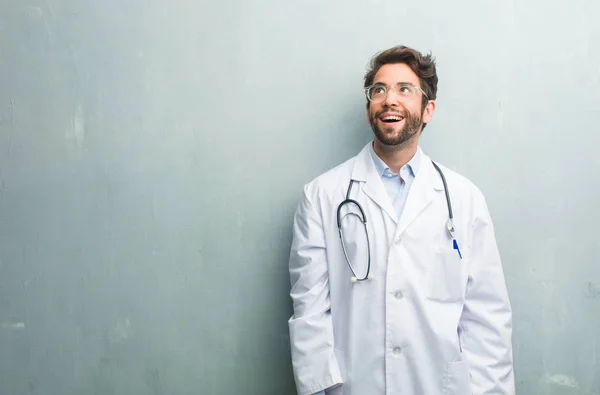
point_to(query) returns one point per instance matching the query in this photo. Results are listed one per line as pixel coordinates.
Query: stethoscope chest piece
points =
(450, 227)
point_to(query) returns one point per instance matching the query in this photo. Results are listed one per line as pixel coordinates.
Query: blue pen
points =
(456, 248)
(451, 232)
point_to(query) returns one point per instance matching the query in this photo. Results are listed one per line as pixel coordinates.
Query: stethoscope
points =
(363, 218)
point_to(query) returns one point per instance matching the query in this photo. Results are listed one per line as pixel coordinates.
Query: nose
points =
(391, 98)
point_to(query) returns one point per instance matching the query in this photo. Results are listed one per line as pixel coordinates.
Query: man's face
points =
(398, 119)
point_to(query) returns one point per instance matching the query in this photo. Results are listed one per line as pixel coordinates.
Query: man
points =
(407, 296)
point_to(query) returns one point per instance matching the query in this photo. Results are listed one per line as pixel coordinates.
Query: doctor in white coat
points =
(402, 306)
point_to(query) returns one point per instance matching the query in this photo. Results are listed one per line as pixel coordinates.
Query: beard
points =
(391, 137)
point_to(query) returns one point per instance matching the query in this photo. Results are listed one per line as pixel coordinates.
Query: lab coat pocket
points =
(458, 379)
(446, 277)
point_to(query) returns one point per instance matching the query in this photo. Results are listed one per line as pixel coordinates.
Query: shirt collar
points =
(383, 169)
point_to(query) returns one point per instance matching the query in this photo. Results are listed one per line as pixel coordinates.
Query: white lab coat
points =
(428, 323)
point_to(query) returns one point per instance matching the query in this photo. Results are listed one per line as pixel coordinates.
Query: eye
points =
(406, 89)
(377, 93)
(378, 90)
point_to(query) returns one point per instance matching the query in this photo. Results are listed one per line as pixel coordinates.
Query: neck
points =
(396, 156)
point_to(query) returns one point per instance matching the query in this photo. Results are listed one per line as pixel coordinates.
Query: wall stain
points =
(592, 291)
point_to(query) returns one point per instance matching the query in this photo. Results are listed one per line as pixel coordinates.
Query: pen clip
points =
(450, 228)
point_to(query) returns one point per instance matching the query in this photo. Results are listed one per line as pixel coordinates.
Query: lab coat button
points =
(398, 295)
(397, 350)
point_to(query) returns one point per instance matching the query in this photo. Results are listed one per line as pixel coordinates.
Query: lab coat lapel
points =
(426, 185)
(364, 171)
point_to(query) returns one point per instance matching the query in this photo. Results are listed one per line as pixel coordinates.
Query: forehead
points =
(391, 74)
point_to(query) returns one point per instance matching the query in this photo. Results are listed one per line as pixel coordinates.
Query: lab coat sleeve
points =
(486, 321)
(311, 330)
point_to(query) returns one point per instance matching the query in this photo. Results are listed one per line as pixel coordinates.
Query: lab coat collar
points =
(423, 189)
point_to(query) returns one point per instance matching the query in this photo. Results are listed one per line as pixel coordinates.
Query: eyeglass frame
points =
(400, 84)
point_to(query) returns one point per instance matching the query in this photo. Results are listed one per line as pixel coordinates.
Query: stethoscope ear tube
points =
(363, 219)
(450, 223)
(448, 202)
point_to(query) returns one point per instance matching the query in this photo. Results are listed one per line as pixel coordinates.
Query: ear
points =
(367, 112)
(428, 111)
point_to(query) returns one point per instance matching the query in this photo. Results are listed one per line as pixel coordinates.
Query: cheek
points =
(371, 111)
(369, 114)
(418, 112)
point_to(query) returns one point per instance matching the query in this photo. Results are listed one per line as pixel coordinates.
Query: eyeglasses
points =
(377, 93)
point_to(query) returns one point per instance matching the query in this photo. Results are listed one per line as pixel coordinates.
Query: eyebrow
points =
(398, 83)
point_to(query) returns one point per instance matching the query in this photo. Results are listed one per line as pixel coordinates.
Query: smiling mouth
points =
(391, 119)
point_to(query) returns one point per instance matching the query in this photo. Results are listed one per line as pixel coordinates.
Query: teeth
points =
(392, 118)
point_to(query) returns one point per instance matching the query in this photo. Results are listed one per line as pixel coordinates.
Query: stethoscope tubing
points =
(363, 220)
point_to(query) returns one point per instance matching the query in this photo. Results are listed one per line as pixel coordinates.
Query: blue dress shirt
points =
(397, 185)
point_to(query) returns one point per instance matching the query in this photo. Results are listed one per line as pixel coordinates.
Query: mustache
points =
(402, 113)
